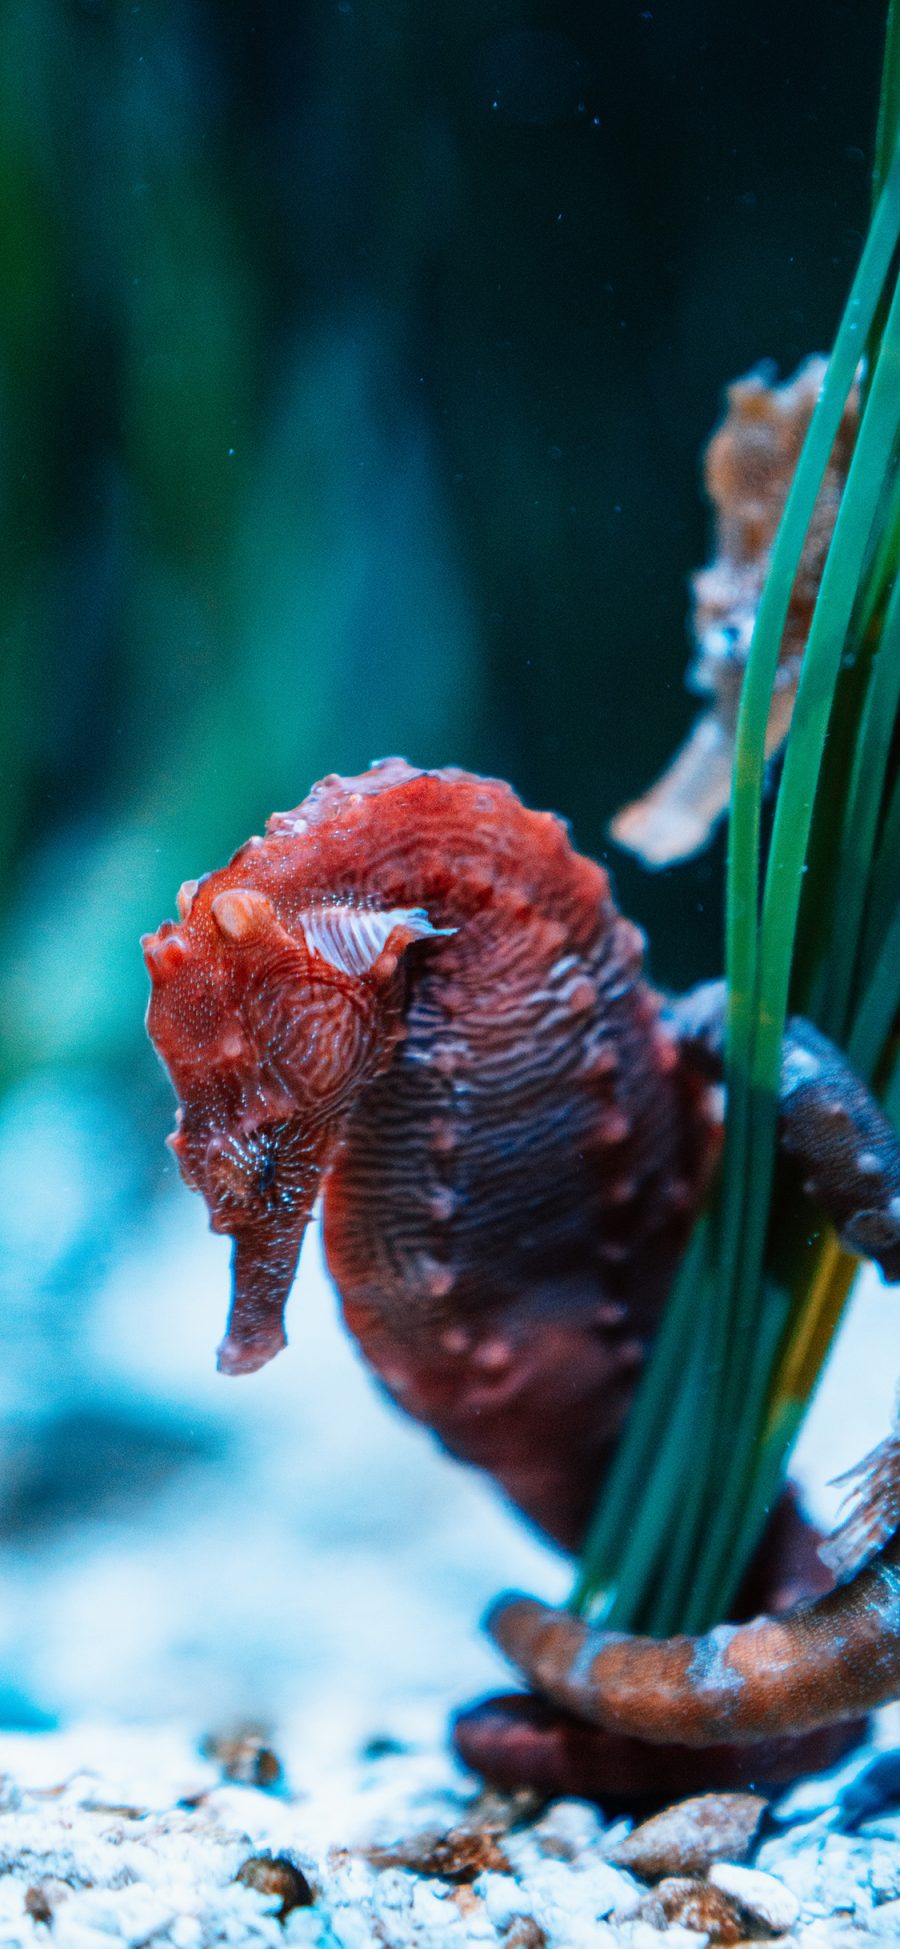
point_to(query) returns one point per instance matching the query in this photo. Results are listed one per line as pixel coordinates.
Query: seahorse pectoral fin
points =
(675, 817)
(262, 1274)
(353, 938)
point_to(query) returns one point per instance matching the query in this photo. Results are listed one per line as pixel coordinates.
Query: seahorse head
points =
(270, 1013)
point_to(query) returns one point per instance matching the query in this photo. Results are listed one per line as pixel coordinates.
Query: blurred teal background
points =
(355, 359)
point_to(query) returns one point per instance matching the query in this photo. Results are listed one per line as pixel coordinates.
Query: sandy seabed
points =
(301, 1558)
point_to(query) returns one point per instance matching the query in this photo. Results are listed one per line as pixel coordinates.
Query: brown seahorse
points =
(748, 468)
(414, 997)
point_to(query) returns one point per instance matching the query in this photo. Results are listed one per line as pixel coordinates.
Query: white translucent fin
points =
(872, 1506)
(677, 815)
(352, 938)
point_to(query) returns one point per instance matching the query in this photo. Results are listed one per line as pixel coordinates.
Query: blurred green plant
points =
(813, 922)
(215, 540)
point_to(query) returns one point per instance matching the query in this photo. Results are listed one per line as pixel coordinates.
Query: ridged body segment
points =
(504, 1212)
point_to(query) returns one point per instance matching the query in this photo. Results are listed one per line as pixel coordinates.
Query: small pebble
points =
(687, 1838)
(245, 1757)
(43, 1897)
(459, 1854)
(761, 1896)
(695, 1905)
(275, 1874)
(524, 1932)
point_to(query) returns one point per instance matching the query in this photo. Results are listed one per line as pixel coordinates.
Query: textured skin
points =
(820, 1664)
(416, 997)
(845, 1145)
(749, 466)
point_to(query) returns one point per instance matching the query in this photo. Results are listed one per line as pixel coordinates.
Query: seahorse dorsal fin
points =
(352, 938)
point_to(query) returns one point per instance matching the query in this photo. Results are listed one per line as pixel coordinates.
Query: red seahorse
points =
(416, 997)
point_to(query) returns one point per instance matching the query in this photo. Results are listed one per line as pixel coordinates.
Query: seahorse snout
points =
(262, 1274)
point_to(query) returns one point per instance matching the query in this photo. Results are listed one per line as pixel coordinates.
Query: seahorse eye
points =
(265, 1175)
(240, 1173)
